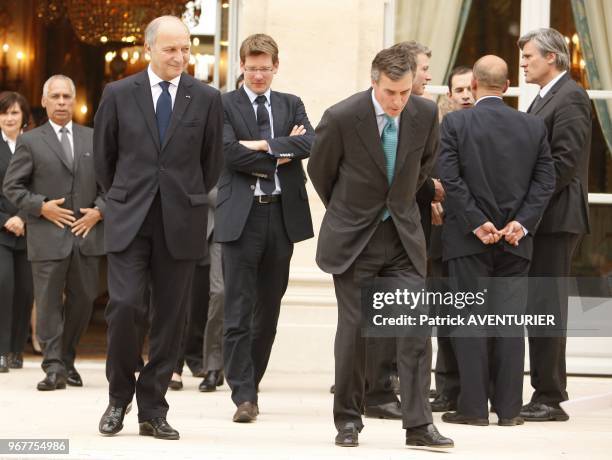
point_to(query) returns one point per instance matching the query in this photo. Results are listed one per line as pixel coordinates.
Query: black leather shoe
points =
(246, 412)
(175, 385)
(112, 420)
(443, 404)
(428, 436)
(159, 428)
(74, 379)
(52, 381)
(211, 381)
(510, 421)
(348, 436)
(456, 417)
(540, 412)
(4, 364)
(15, 361)
(390, 411)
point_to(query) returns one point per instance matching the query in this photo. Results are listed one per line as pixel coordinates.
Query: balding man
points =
(158, 151)
(498, 174)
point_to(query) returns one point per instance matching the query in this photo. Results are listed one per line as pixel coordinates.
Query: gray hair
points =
(150, 34)
(548, 41)
(394, 62)
(56, 77)
(415, 48)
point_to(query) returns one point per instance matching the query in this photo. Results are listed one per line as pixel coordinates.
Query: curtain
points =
(593, 20)
(439, 28)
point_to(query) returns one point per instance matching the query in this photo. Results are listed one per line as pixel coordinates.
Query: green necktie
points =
(389, 142)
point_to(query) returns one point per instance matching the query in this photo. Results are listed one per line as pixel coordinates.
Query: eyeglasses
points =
(262, 70)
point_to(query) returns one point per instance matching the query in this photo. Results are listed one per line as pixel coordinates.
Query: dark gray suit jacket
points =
(244, 166)
(347, 169)
(132, 166)
(566, 110)
(8, 209)
(495, 165)
(39, 171)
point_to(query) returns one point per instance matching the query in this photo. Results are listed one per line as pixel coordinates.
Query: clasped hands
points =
(53, 212)
(437, 211)
(512, 233)
(262, 145)
(15, 225)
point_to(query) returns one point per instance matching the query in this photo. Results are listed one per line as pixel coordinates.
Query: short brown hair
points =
(460, 70)
(8, 98)
(414, 47)
(394, 62)
(257, 44)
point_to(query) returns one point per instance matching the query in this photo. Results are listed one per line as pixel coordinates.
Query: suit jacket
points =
(132, 166)
(347, 169)
(566, 110)
(8, 209)
(39, 171)
(244, 166)
(496, 166)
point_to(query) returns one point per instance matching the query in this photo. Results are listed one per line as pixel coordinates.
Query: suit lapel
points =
(144, 98)
(5, 155)
(367, 131)
(407, 136)
(181, 102)
(279, 114)
(550, 94)
(50, 138)
(245, 108)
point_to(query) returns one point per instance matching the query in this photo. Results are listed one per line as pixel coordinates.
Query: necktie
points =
(163, 111)
(389, 141)
(265, 132)
(535, 103)
(66, 145)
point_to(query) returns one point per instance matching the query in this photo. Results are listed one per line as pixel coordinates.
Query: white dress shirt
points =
(381, 119)
(10, 143)
(547, 87)
(156, 90)
(57, 128)
(252, 96)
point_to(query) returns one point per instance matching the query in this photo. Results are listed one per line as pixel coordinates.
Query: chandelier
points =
(103, 22)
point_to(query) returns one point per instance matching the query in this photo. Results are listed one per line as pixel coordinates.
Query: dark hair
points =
(394, 62)
(8, 98)
(460, 70)
(239, 81)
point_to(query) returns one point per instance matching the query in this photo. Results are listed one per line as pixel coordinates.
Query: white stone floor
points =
(295, 422)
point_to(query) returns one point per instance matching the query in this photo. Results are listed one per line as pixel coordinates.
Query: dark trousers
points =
(64, 290)
(128, 278)
(384, 256)
(15, 299)
(380, 365)
(491, 364)
(212, 348)
(256, 273)
(552, 257)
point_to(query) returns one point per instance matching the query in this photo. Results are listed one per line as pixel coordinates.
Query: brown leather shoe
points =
(246, 412)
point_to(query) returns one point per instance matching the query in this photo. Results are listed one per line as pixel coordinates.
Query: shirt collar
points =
(487, 97)
(57, 127)
(379, 110)
(154, 79)
(252, 96)
(4, 138)
(547, 87)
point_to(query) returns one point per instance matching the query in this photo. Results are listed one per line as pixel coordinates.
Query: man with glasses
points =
(262, 210)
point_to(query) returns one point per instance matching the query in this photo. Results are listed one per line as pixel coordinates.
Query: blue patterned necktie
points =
(389, 142)
(163, 111)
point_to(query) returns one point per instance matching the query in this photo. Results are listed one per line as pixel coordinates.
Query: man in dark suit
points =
(52, 179)
(262, 210)
(498, 174)
(158, 147)
(372, 228)
(566, 110)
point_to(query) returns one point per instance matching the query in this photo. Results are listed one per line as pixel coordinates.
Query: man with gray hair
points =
(157, 143)
(367, 163)
(52, 179)
(566, 110)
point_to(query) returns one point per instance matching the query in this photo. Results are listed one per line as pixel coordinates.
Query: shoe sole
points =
(339, 444)
(74, 384)
(244, 418)
(559, 418)
(145, 432)
(58, 387)
(510, 424)
(207, 390)
(474, 423)
(422, 444)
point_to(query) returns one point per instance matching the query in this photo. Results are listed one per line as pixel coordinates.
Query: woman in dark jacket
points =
(15, 271)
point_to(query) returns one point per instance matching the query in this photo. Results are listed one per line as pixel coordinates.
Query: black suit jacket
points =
(244, 166)
(133, 167)
(566, 110)
(495, 165)
(8, 209)
(347, 169)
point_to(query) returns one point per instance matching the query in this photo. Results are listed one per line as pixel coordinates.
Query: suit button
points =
(252, 187)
